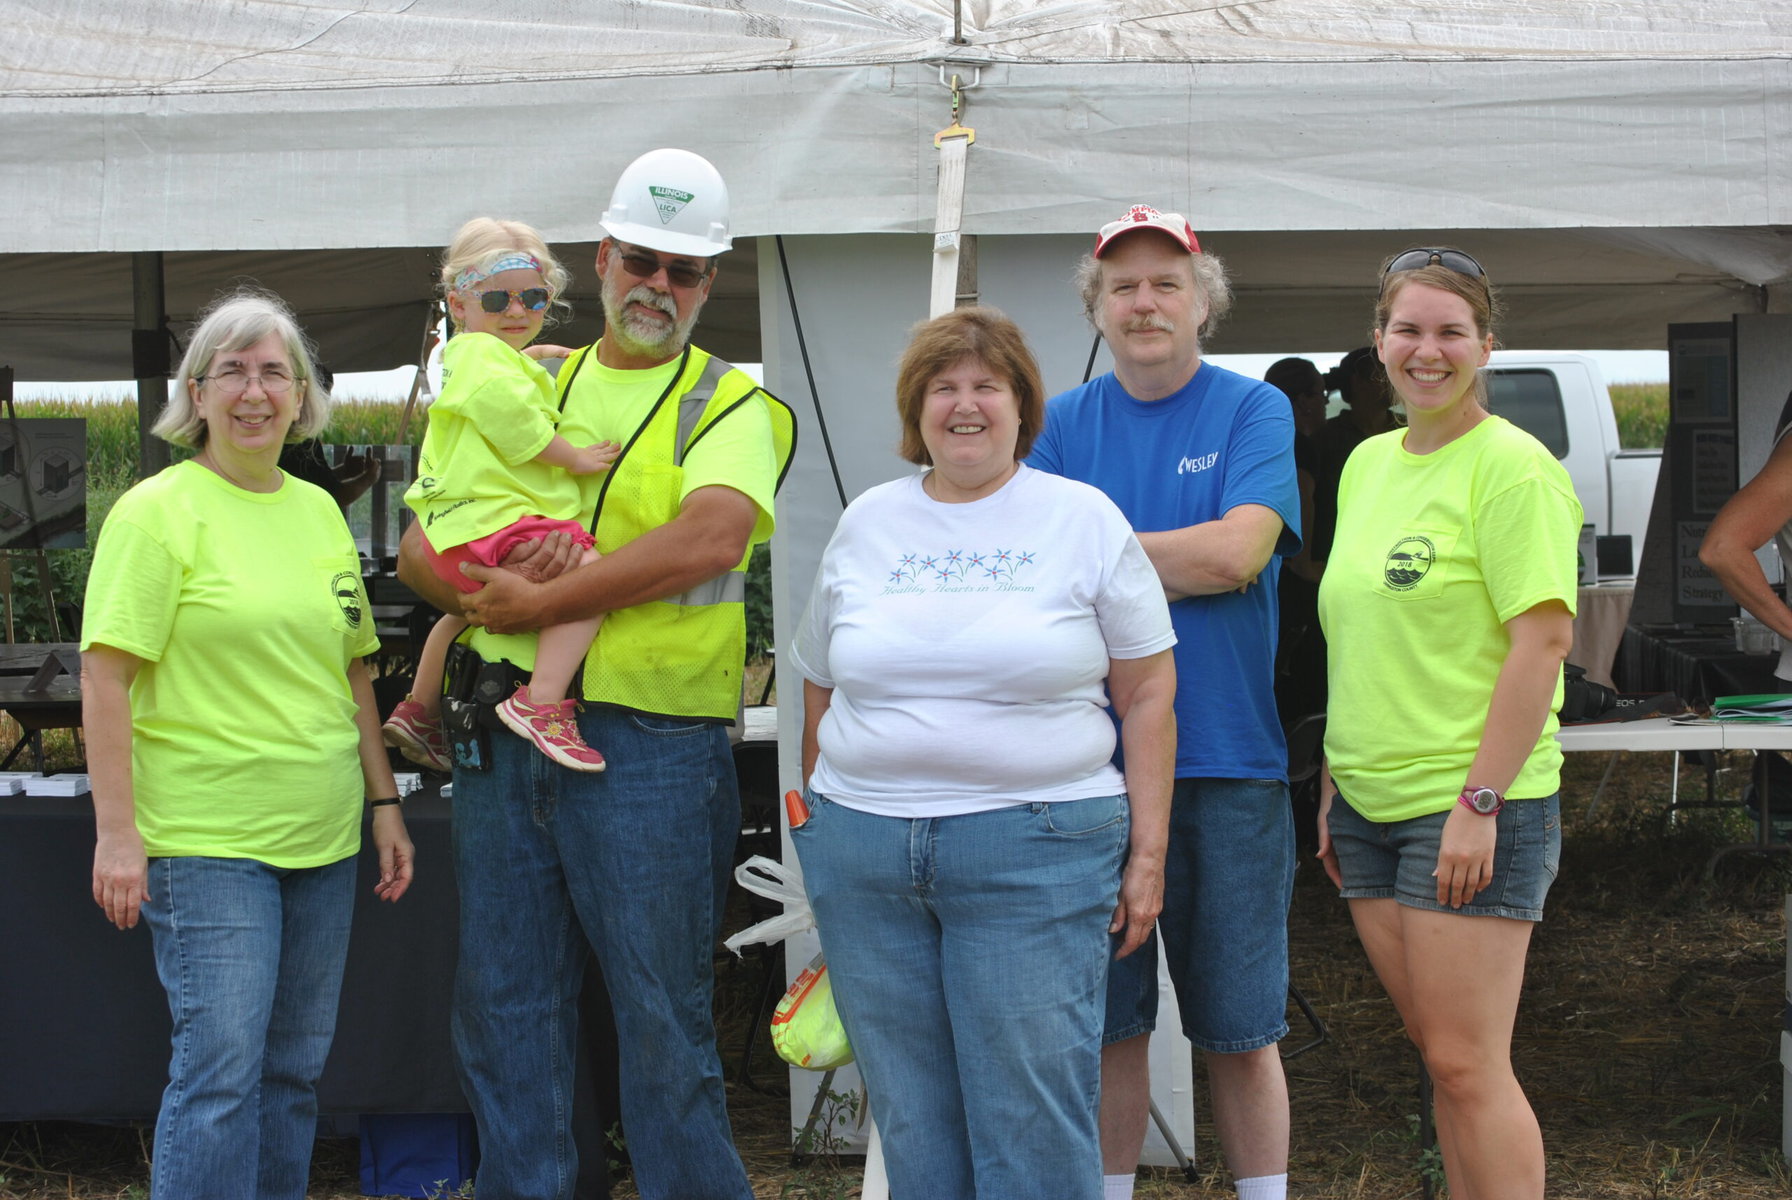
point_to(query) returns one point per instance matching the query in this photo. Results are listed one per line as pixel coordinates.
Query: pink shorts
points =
(490, 550)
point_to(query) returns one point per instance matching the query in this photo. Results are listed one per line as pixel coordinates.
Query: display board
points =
(1698, 475)
(43, 483)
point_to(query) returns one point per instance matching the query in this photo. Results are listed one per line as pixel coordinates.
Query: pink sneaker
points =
(418, 737)
(553, 729)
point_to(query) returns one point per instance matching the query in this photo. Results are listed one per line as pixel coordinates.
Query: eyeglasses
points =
(646, 266)
(498, 300)
(273, 381)
(1425, 256)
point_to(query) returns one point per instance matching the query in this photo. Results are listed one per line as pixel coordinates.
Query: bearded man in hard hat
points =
(633, 860)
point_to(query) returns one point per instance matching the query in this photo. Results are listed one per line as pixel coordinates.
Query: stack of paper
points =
(57, 785)
(1772, 709)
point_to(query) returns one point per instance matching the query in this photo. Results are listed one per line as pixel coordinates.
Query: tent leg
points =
(149, 356)
(1182, 1160)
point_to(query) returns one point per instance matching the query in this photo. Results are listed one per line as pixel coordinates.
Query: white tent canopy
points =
(1618, 165)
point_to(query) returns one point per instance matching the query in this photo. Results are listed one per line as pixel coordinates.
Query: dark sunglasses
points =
(497, 300)
(1425, 256)
(646, 266)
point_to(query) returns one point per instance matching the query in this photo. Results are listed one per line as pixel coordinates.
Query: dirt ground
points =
(1647, 1040)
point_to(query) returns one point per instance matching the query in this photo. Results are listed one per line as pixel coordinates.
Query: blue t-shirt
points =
(1222, 441)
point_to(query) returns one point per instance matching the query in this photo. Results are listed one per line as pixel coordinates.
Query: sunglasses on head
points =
(498, 299)
(1426, 256)
(645, 266)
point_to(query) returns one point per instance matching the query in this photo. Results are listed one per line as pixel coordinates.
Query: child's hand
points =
(596, 457)
(543, 350)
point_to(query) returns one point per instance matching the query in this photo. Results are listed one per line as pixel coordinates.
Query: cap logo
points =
(1143, 216)
(669, 202)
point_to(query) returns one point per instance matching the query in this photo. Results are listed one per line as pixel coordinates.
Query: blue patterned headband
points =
(514, 260)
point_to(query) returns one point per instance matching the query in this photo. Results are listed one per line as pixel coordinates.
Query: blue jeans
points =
(251, 957)
(634, 861)
(1228, 881)
(968, 956)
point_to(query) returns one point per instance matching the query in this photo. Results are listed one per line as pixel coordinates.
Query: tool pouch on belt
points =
(471, 691)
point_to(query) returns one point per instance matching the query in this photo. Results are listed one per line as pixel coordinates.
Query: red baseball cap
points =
(1143, 216)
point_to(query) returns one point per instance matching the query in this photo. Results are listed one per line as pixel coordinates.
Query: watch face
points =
(1484, 800)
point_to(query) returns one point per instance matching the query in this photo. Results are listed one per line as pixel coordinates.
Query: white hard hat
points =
(672, 201)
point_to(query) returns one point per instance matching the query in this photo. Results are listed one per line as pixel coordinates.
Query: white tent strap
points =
(946, 223)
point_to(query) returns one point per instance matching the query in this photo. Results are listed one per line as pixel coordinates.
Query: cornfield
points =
(1641, 409)
(1642, 412)
(112, 468)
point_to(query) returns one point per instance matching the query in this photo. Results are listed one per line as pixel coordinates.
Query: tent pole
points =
(149, 356)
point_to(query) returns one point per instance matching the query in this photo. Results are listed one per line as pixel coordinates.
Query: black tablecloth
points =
(84, 1022)
(1697, 667)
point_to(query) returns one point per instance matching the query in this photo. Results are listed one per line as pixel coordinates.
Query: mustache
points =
(1149, 322)
(648, 298)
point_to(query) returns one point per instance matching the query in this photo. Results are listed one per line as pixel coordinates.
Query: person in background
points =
(1761, 512)
(970, 846)
(232, 737)
(1364, 390)
(1300, 647)
(1448, 605)
(1300, 381)
(1201, 462)
(346, 481)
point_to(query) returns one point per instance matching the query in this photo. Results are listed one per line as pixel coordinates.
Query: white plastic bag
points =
(775, 881)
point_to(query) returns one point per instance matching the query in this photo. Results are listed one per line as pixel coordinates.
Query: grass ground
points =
(1648, 1037)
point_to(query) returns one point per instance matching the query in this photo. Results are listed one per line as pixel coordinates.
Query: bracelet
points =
(372, 803)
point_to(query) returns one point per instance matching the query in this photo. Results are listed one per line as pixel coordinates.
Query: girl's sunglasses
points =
(1425, 256)
(497, 300)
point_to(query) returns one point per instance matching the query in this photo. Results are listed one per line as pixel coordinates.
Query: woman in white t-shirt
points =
(970, 844)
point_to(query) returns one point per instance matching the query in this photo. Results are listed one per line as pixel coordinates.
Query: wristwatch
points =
(1483, 800)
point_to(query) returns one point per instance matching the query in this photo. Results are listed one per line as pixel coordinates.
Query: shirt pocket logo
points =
(347, 594)
(1409, 562)
(1416, 564)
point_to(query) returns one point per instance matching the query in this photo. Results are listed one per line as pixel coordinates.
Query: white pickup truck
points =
(1562, 401)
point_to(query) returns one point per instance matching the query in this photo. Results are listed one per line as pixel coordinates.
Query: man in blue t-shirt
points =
(1201, 461)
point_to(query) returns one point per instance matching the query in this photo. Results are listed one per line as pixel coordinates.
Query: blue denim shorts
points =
(1227, 885)
(1394, 860)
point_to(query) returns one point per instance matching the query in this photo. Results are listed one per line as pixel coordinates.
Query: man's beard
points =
(642, 335)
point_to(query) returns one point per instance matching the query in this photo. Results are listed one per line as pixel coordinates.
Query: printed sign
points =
(43, 483)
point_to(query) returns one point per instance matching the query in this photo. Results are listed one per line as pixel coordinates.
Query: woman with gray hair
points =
(232, 734)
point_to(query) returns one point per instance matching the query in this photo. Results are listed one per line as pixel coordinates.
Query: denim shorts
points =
(1227, 885)
(1394, 860)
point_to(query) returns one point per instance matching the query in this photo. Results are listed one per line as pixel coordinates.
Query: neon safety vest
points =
(683, 656)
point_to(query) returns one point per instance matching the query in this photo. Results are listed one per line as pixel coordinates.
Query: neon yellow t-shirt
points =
(604, 402)
(1434, 553)
(477, 472)
(247, 609)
